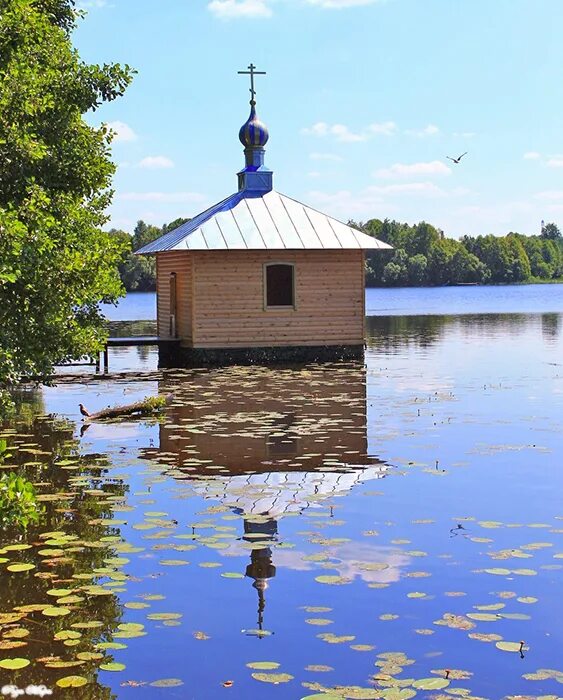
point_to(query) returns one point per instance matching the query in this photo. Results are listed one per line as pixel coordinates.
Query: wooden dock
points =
(134, 341)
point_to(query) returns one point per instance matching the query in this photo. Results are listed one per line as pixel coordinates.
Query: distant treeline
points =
(421, 256)
(138, 273)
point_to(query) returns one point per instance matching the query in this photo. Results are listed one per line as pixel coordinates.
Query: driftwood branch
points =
(147, 407)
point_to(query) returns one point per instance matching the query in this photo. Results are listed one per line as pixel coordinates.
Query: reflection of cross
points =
(252, 72)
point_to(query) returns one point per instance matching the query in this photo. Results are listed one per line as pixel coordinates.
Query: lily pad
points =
(14, 664)
(332, 580)
(72, 682)
(167, 683)
(274, 678)
(510, 646)
(20, 567)
(112, 667)
(431, 683)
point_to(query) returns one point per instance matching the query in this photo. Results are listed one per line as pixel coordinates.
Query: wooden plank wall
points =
(229, 299)
(181, 263)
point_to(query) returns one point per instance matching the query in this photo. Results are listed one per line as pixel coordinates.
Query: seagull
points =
(456, 160)
(83, 410)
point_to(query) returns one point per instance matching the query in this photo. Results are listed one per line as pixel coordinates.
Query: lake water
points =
(393, 530)
(408, 301)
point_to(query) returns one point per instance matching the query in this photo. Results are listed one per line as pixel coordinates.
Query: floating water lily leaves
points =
(112, 667)
(67, 634)
(263, 665)
(20, 567)
(167, 683)
(332, 580)
(110, 645)
(14, 664)
(431, 683)
(274, 678)
(72, 682)
(55, 611)
(318, 621)
(511, 646)
(136, 605)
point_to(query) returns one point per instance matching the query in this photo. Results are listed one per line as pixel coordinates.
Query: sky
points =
(364, 99)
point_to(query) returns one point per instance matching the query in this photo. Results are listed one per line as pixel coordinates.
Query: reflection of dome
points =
(276, 493)
(253, 134)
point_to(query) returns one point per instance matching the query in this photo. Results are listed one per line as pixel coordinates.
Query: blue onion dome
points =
(253, 133)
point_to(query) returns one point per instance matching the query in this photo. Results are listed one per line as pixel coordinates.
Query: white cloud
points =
(555, 162)
(383, 128)
(375, 198)
(339, 131)
(344, 134)
(503, 214)
(421, 188)
(324, 156)
(156, 162)
(429, 130)
(234, 9)
(165, 197)
(531, 155)
(122, 131)
(399, 170)
(341, 4)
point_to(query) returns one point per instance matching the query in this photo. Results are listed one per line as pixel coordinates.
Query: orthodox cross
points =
(252, 72)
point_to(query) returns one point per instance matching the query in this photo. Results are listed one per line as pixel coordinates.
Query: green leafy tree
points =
(57, 264)
(416, 267)
(138, 273)
(551, 231)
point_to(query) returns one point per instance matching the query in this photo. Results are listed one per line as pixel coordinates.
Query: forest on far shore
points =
(422, 256)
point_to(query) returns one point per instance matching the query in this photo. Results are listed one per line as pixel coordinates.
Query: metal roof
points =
(262, 221)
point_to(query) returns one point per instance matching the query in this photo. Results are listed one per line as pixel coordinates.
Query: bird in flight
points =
(456, 160)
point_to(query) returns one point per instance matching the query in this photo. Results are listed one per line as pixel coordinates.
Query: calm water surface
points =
(408, 301)
(366, 528)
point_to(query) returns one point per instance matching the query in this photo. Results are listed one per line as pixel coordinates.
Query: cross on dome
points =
(252, 72)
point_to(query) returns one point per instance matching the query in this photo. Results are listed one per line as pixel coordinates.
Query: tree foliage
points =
(423, 256)
(138, 273)
(56, 263)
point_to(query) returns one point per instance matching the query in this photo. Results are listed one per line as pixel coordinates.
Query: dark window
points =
(279, 285)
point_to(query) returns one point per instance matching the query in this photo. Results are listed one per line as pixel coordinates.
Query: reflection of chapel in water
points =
(267, 443)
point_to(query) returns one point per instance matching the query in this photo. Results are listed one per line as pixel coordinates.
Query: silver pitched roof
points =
(262, 221)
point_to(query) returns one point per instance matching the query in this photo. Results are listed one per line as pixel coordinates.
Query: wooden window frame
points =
(292, 307)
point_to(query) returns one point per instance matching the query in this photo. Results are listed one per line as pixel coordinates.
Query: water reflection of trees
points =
(72, 539)
(551, 326)
(394, 333)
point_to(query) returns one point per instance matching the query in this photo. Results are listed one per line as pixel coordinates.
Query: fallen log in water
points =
(147, 407)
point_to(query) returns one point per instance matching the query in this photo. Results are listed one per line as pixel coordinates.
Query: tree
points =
(551, 231)
(416, 267)
(57, 264)
(138, 273)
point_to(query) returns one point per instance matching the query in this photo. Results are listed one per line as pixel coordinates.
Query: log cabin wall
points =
(181, 263)
(228, 299)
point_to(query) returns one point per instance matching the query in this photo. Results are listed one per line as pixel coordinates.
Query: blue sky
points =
(364, 99)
